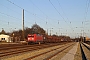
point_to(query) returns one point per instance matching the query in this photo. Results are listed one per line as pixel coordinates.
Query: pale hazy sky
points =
(66, 17)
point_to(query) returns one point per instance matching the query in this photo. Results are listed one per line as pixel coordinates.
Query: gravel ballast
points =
(25, 55)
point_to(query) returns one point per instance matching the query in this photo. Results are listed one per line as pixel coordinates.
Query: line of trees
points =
(35, 29)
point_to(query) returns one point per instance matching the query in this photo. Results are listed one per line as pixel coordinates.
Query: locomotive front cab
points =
(31, 38)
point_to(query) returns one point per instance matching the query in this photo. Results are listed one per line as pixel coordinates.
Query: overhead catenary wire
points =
(28, 11)
(47, 17)
(10, 9)
(14, 4)
(24, 9)
(64, 13)
(87, 7)
(32, 13)
(86, 11)
(56, 10)
(39, 9)
(85, 16)
(14, 19)
(32, 16)
(60, 14)
(9, 16)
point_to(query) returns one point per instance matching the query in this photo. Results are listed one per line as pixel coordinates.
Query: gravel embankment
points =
(26, 55)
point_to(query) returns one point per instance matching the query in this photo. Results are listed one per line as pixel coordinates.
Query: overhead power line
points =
(39, 9)
(87, 7)
(14, 4)
(9, 16)
(63, 12)
(32, 13)
(24, 10)
(56, 10)
(60, 14)
(10, 9)
(43, 14)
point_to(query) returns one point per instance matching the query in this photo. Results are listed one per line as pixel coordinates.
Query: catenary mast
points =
(23, 25)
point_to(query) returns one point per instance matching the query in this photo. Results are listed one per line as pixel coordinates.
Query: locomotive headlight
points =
(28, 38)
(32, 38)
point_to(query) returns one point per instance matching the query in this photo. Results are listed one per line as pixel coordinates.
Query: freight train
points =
(37, 38)
(57, 39)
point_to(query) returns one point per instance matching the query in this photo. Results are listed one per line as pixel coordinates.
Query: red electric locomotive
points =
(35, 38)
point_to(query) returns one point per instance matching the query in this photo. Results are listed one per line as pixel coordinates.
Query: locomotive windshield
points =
(30, 36)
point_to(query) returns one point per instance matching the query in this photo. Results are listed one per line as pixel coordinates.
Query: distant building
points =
(5, 38)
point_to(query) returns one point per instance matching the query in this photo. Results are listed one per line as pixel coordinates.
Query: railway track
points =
(42, 52)
(12, 50)
(8, 47)
(85, 51)
(50, 54)
(87, 42)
